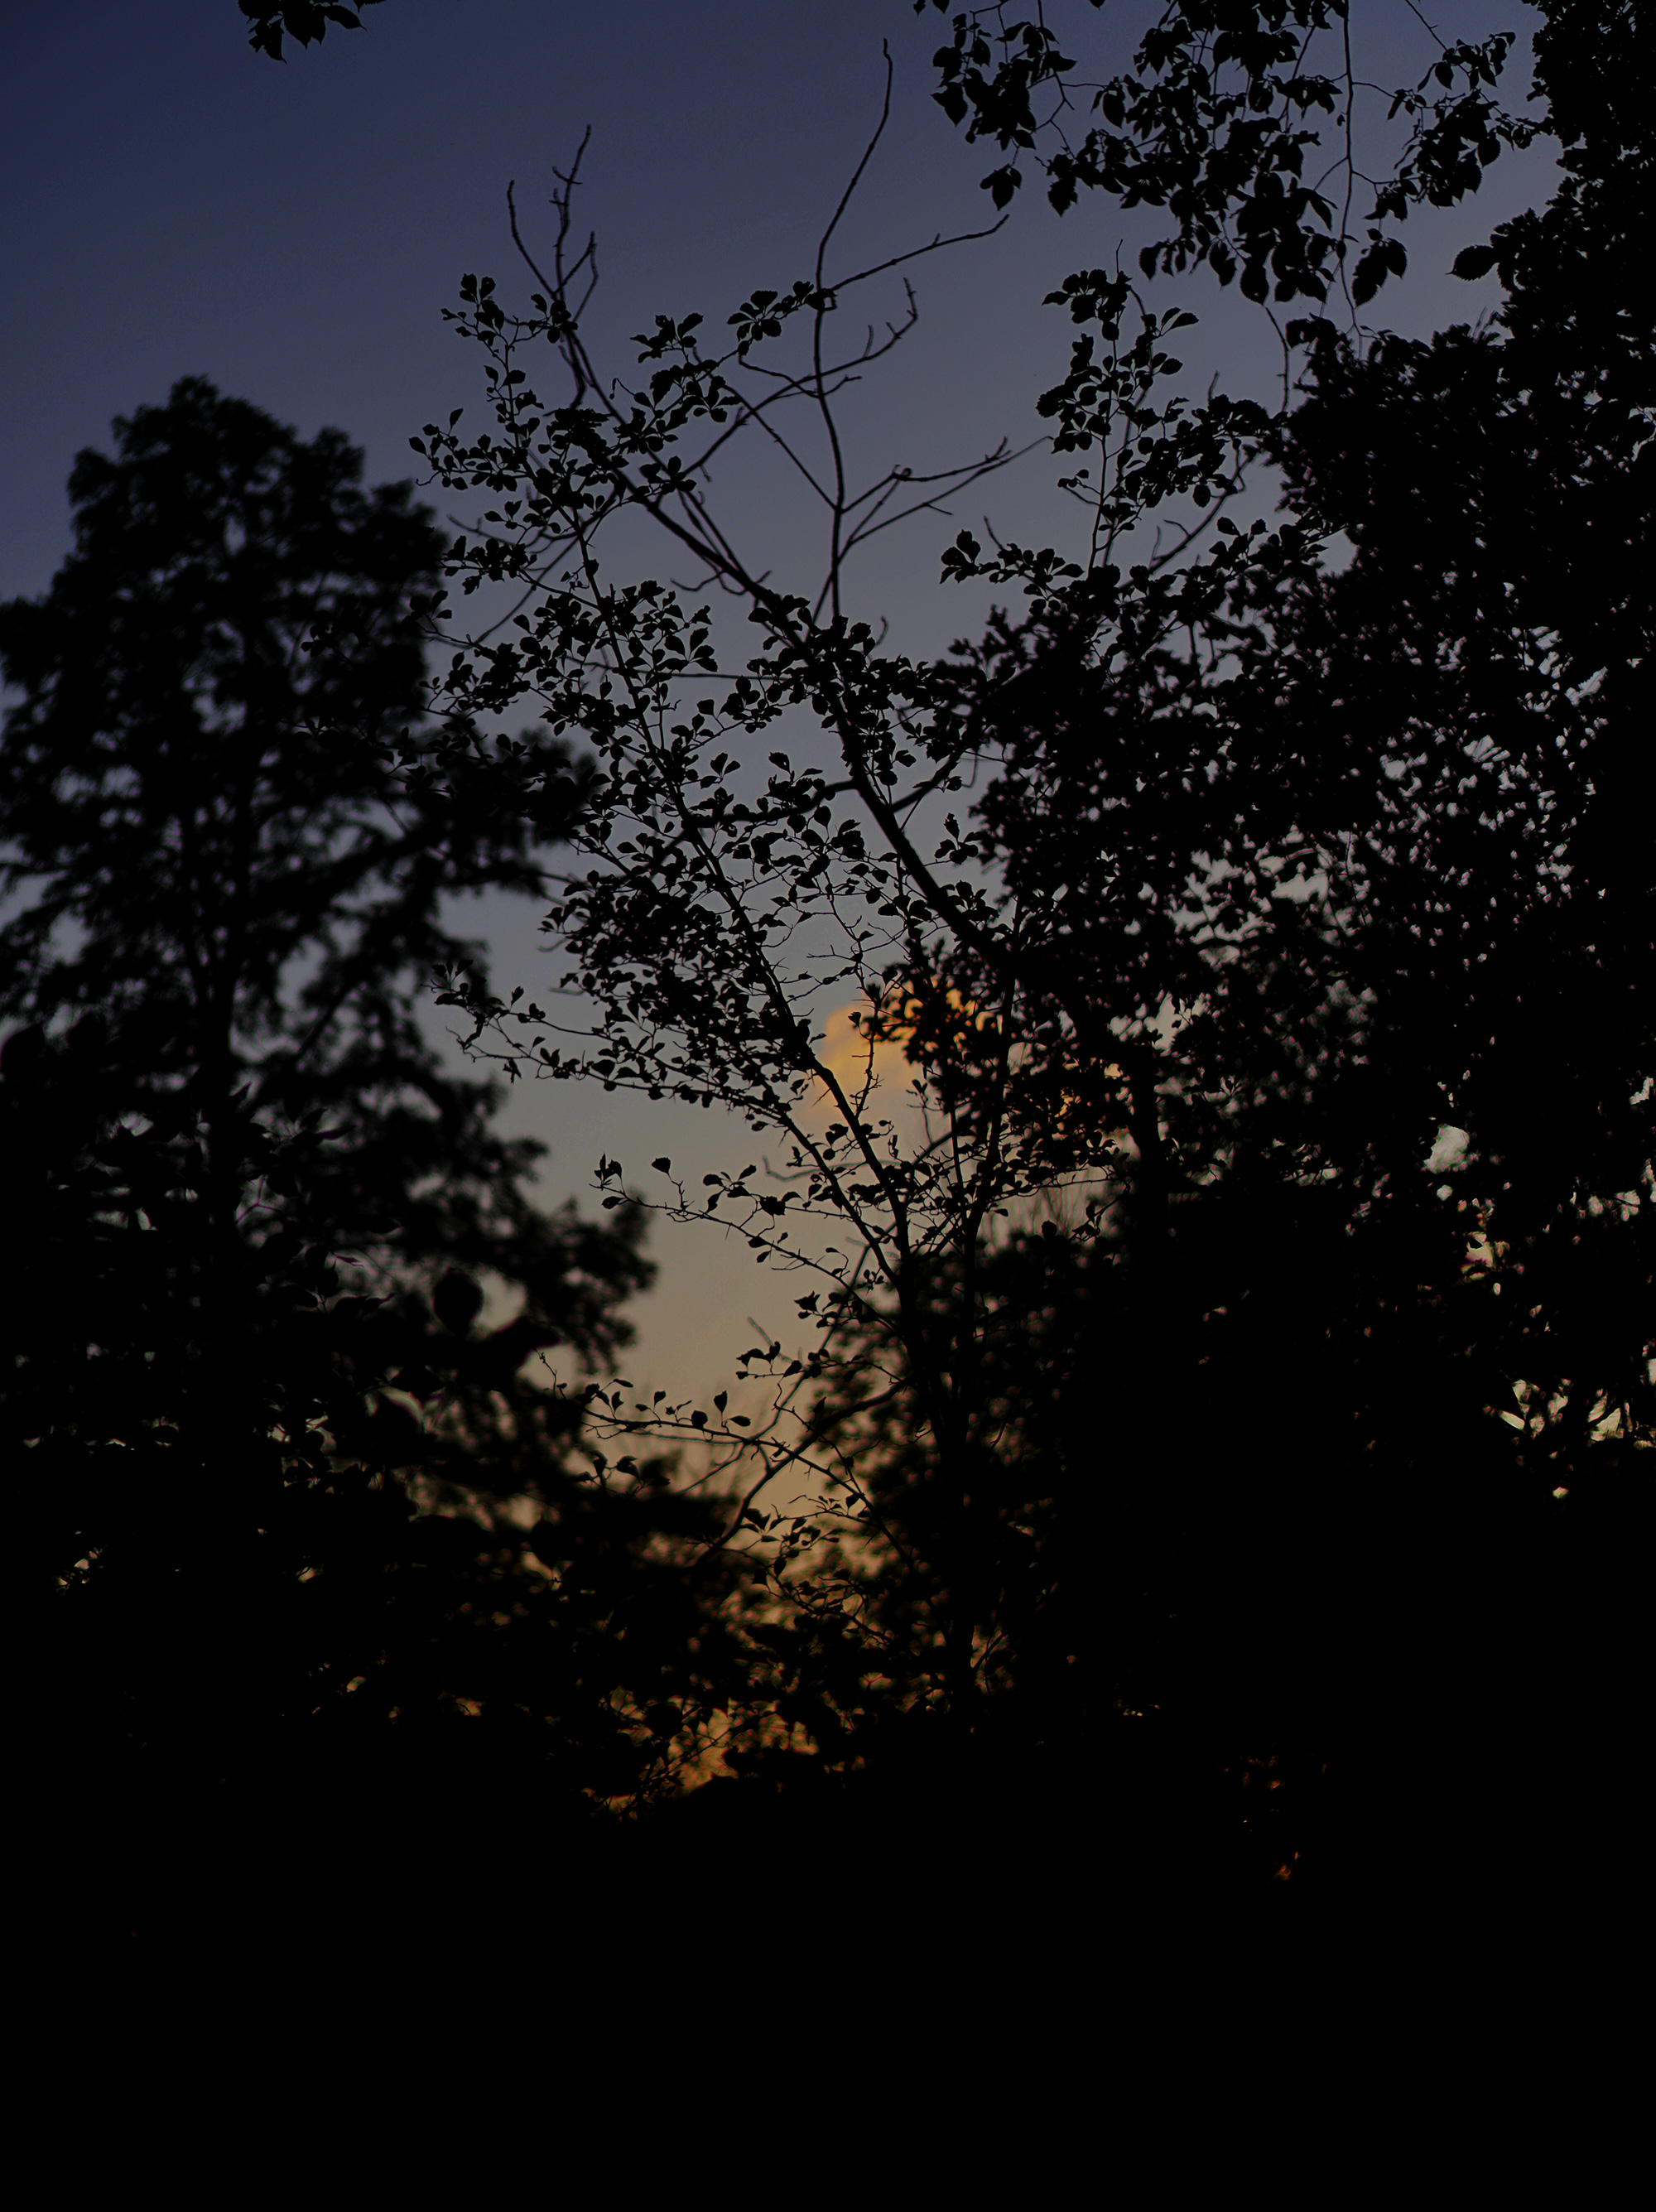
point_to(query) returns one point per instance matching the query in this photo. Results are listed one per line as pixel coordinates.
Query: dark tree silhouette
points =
(269, 1702)
(205, 841)
(1375, 837)
(1331, 1380)
(292, 1553)
(1273, 1505)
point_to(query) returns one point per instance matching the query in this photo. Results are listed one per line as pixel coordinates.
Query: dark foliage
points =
(290, 1554)
(1223, 1454)
(268, 1695)
(205, 843)
(1294, 961)
(304, 20)
(1237, 118)
(1379, 1444)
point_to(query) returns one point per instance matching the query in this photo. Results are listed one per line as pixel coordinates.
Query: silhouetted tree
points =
(721, 916)
(1249, 912)
(269, 1700)
(205, 841)
(1371, 837)
(272, 1701)
(289, 1545)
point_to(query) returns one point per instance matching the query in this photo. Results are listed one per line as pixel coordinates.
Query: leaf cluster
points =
(1216, 123)
(304, 21)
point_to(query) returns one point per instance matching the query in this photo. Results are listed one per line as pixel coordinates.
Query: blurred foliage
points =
(204, 843)
(262, 1651)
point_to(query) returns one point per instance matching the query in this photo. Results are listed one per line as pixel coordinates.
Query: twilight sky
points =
(176, 205)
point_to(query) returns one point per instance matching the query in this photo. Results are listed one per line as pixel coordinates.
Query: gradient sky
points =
(176, 205)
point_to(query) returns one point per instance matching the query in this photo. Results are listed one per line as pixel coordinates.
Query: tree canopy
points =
(244, 897)
(290, 1508)
(1231, 970)
(1195, 1036)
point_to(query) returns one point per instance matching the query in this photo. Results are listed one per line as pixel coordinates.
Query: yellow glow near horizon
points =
(846, 1052)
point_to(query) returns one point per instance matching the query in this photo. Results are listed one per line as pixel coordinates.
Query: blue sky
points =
(175, 204)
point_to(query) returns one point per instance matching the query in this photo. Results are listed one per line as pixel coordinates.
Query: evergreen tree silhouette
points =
(294, 1553)
(204, 842)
